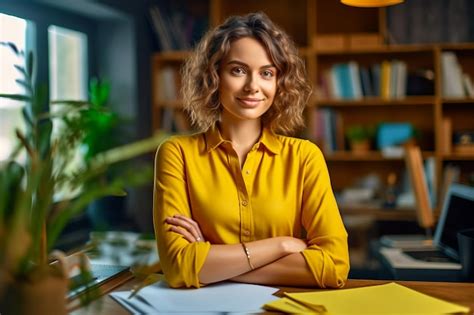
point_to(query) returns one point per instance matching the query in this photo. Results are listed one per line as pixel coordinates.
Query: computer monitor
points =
(457, 214)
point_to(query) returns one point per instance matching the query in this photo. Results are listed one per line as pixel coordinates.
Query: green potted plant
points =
(30, 218)
(360, 137)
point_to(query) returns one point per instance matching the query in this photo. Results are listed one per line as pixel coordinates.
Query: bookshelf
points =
(361, 40)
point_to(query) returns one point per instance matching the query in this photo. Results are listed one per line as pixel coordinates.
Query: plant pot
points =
(42, 297)
(360, 146)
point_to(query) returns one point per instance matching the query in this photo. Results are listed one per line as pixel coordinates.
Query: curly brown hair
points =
(200, 73)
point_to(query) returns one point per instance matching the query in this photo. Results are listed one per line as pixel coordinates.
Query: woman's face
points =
(248, 81)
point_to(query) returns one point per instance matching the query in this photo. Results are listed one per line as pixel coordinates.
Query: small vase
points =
(360, 146)
(43, 297)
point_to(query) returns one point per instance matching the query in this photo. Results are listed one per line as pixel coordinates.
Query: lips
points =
(249, 102)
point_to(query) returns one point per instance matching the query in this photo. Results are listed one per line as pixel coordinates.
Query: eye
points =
(238, 71)
(268, 74)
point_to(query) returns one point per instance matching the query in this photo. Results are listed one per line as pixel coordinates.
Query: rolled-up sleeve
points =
(180, 260)
(327, 254)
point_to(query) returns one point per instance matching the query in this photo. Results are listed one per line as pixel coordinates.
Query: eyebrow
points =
(246, 65)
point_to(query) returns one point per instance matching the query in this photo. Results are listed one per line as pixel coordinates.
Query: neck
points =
(243, 134)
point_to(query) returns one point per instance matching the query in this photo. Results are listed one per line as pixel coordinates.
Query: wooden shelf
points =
(166, 104)
(380, 213)
(371, 156)
(170, 56)
(457, 46)
(347, 156)
(385, 49)
(458, 101)
(458, 157)
(376, 101)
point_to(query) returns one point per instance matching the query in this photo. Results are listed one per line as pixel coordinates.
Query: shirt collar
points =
(268, 139)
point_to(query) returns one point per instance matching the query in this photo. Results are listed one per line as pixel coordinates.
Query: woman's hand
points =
(185, 226)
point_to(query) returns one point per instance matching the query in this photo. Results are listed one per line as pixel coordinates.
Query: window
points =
(67, 81)
(67, 63)
(14, 30)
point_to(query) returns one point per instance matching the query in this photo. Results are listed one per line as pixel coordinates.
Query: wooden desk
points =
(456, 292)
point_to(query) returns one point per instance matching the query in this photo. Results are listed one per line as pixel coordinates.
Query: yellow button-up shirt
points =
(283, 189)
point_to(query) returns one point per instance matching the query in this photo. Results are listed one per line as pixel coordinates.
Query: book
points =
(375, 79)
(167, 84)
(401, 80)
(468, 86)
(446, 135)
(394, 73)
(354, 78)
(343, 79)
(451, 76)
(333, 83)
(366, 84)
(385, 77)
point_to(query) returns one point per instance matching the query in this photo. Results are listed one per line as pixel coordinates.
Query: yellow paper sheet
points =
(388, 298)
(289, 306)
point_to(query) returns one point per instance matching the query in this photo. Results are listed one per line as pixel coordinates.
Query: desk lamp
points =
(371, 3)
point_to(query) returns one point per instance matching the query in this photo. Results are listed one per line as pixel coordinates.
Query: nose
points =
(251, 84)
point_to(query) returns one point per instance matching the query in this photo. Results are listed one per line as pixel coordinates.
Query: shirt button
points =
(247, 232)
(245, 203)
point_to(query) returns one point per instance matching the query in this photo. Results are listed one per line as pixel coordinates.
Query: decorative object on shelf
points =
(390, 192)
(371, 3)
(463, 141)
(394, 134)
(31, 219)
(360, 137)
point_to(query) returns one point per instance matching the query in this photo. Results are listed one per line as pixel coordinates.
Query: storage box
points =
(325, 42)
(364, 40)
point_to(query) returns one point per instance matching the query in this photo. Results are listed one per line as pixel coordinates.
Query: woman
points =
(234, 201)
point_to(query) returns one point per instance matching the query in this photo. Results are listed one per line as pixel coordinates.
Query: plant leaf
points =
(12, 47)
(30, 64)
(28, 115)
(11, 175)
(16, 97)
(129, 151)
(22, 70)
(25, 84)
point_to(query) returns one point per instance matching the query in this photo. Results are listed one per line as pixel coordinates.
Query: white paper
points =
(225, 297)
(134, 306)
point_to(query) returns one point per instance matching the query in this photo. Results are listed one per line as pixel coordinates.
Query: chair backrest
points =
(414, 162)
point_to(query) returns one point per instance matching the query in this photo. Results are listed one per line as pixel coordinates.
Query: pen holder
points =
(466, 253)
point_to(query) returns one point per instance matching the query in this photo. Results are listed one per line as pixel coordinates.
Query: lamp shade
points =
(371, 3)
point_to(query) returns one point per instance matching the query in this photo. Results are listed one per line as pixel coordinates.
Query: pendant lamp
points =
(371, 3)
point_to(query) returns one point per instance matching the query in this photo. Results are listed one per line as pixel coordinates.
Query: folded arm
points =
(273, 258)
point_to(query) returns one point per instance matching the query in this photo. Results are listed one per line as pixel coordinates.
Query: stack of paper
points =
(224, 297)
(389, 298)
